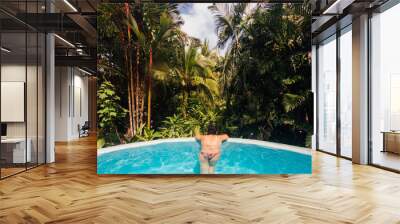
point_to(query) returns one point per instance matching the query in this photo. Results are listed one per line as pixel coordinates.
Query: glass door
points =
(345, 60)
(385, 89)
(326, 98)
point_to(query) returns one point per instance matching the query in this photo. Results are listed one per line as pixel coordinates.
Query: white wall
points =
(80, 109)
(62, 82)
(16, 73)
(71, 87)
(33, 127)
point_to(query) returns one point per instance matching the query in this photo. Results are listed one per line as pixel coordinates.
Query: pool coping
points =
(273, 145)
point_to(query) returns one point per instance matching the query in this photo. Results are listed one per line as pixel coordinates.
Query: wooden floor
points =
(10, 171)
(387, 159)
(70, 191)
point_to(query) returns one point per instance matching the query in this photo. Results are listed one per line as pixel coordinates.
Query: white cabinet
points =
(19, 155)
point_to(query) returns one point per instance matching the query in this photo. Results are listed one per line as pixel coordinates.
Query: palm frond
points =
(132, 24)
(292, 101)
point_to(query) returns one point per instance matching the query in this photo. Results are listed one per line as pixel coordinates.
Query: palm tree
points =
(193, 74)
(230, 22)
(160, 23)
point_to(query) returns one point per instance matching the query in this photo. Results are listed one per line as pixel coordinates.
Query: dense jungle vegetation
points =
(156, 81)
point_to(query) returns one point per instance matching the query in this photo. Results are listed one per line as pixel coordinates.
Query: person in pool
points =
(210, 149)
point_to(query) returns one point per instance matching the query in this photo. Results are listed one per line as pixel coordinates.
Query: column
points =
(360, 90)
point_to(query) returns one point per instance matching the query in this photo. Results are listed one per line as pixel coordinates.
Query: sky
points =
(199, 22)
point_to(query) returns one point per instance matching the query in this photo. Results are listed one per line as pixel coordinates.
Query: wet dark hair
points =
(211, 129)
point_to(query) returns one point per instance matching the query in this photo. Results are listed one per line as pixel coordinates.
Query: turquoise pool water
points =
(182, 158)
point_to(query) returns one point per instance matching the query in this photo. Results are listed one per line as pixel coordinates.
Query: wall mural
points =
(195, 88)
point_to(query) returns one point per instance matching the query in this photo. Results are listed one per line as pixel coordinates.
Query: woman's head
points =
(211, 130)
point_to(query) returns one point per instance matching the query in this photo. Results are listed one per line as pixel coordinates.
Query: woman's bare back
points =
(211, 143)
(210, 151)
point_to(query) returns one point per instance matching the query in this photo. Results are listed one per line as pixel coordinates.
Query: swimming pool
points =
(180, 156)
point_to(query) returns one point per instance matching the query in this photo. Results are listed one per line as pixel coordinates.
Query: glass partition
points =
(13, 95)
(385, 89)
(327, 95)
(346, 92)
(22, 88)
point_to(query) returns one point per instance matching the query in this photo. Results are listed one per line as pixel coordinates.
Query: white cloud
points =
(199, 23)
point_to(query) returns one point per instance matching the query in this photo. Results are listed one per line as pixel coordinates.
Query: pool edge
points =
(273, 145)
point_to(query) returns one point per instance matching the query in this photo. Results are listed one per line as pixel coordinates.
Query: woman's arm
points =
(224, 137)
(197, 134)
(198, 137)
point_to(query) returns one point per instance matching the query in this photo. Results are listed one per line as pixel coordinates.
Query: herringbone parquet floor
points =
(70, 191)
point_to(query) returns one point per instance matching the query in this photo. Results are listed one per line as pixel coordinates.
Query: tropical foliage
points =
(110, 114)
(156, 81)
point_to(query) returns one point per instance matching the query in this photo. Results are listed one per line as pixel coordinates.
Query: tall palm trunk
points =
(128, 62)
(130, 112)
(149, 87)
(141, 101)
(137, 88)
(132, 93)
